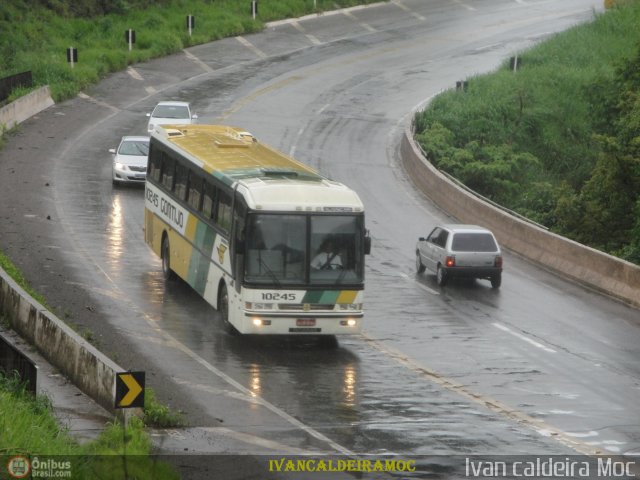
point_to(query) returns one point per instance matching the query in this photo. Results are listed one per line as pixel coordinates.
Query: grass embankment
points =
(28, 428)
(36, 38)
(558, 140)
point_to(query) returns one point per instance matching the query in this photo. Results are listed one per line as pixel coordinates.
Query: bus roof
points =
(270, 179)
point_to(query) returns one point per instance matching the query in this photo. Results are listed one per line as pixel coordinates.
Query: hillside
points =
(557, 140)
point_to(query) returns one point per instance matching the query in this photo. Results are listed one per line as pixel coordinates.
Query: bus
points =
(274, 246)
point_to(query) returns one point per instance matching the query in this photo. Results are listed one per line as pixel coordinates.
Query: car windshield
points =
(134, 147)
(304, 249)
(171, 111)
(474, 242)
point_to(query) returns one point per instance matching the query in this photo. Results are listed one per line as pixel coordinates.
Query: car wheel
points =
(419, 266)
(441, 276)
(496, 280)
(223, 308)
(166, 260)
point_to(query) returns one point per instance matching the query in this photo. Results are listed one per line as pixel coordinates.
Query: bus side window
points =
(208, 200)
(223, 215)
(168, 171)
(181, 182)
(154, 163)
(195, 190)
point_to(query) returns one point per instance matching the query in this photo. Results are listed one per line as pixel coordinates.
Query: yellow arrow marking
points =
(134, 390)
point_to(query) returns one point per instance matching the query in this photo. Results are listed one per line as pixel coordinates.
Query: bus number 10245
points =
(278, 296)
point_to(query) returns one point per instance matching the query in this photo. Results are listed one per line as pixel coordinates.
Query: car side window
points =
(433, 236)
(442, 239)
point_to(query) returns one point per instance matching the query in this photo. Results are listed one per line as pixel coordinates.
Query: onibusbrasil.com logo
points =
(20, 466)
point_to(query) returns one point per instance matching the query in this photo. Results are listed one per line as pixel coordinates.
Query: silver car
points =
(130, 160)
(460, 251)
(171, 112)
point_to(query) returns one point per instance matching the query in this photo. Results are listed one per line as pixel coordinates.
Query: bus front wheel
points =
(166, 260)
(223, 308)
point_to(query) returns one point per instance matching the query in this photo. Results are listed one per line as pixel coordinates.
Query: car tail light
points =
(450, 261)
(498, 261)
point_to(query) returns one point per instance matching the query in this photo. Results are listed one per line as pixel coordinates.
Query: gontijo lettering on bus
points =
(161, 205)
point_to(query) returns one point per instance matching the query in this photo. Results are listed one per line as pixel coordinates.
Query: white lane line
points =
(258, 441)
(195, 59)
(522, 337)
(150, 90)
(98, 102)
(133, 73)
(251, 47)
(408, 10)
(462, 4)
(301, 29)
(366, 26)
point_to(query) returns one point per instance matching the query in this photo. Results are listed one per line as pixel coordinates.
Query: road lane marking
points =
(301, 29)
(195, 59)
(468, 7)
(536, 424)
(251, 47)
(400, 5)
(523, 337)
(366, 26)
(133, 73)
(259, 441)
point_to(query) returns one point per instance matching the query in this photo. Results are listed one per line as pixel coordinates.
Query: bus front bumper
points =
(303, 324)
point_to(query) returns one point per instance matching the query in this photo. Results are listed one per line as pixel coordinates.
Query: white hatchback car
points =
(460, 251)
(130, 160)
(170, 112)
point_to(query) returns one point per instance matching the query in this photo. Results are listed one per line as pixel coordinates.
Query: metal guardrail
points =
(8, 84)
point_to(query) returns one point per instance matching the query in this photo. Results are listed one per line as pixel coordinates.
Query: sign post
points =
(72, 56)
(191, 23)
(130, 36)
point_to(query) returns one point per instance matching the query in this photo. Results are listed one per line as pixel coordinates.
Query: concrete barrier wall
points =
(25, 107)
(603, 272)
(88, 369)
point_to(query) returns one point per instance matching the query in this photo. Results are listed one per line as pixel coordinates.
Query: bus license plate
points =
(306, 322)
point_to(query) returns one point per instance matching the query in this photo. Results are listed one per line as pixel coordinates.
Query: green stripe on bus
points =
(321, 296)
(199, 264)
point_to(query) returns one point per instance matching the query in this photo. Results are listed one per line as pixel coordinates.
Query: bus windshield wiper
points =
(273, 276)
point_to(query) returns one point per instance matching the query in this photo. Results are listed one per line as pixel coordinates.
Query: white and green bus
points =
(276, 247)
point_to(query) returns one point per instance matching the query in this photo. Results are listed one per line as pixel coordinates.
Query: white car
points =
(460, 251)
(168, 113)
(130, 160)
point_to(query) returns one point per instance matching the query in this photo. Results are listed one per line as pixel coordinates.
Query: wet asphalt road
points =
(540, 366)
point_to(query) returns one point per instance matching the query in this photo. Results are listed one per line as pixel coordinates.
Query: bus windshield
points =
(304, 249)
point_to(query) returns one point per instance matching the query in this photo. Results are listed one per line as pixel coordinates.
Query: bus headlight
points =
(259, 322)
(349, 322)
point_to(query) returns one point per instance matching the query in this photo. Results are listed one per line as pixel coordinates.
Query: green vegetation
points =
(557, 141)
(8, 266)
(35, 35)
(28, 428)
(158, 415)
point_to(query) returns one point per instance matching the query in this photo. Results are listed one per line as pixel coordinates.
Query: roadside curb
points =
(605, 273)
(25, 107)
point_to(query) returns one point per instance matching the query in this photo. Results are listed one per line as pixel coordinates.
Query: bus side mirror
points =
(367, 243)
